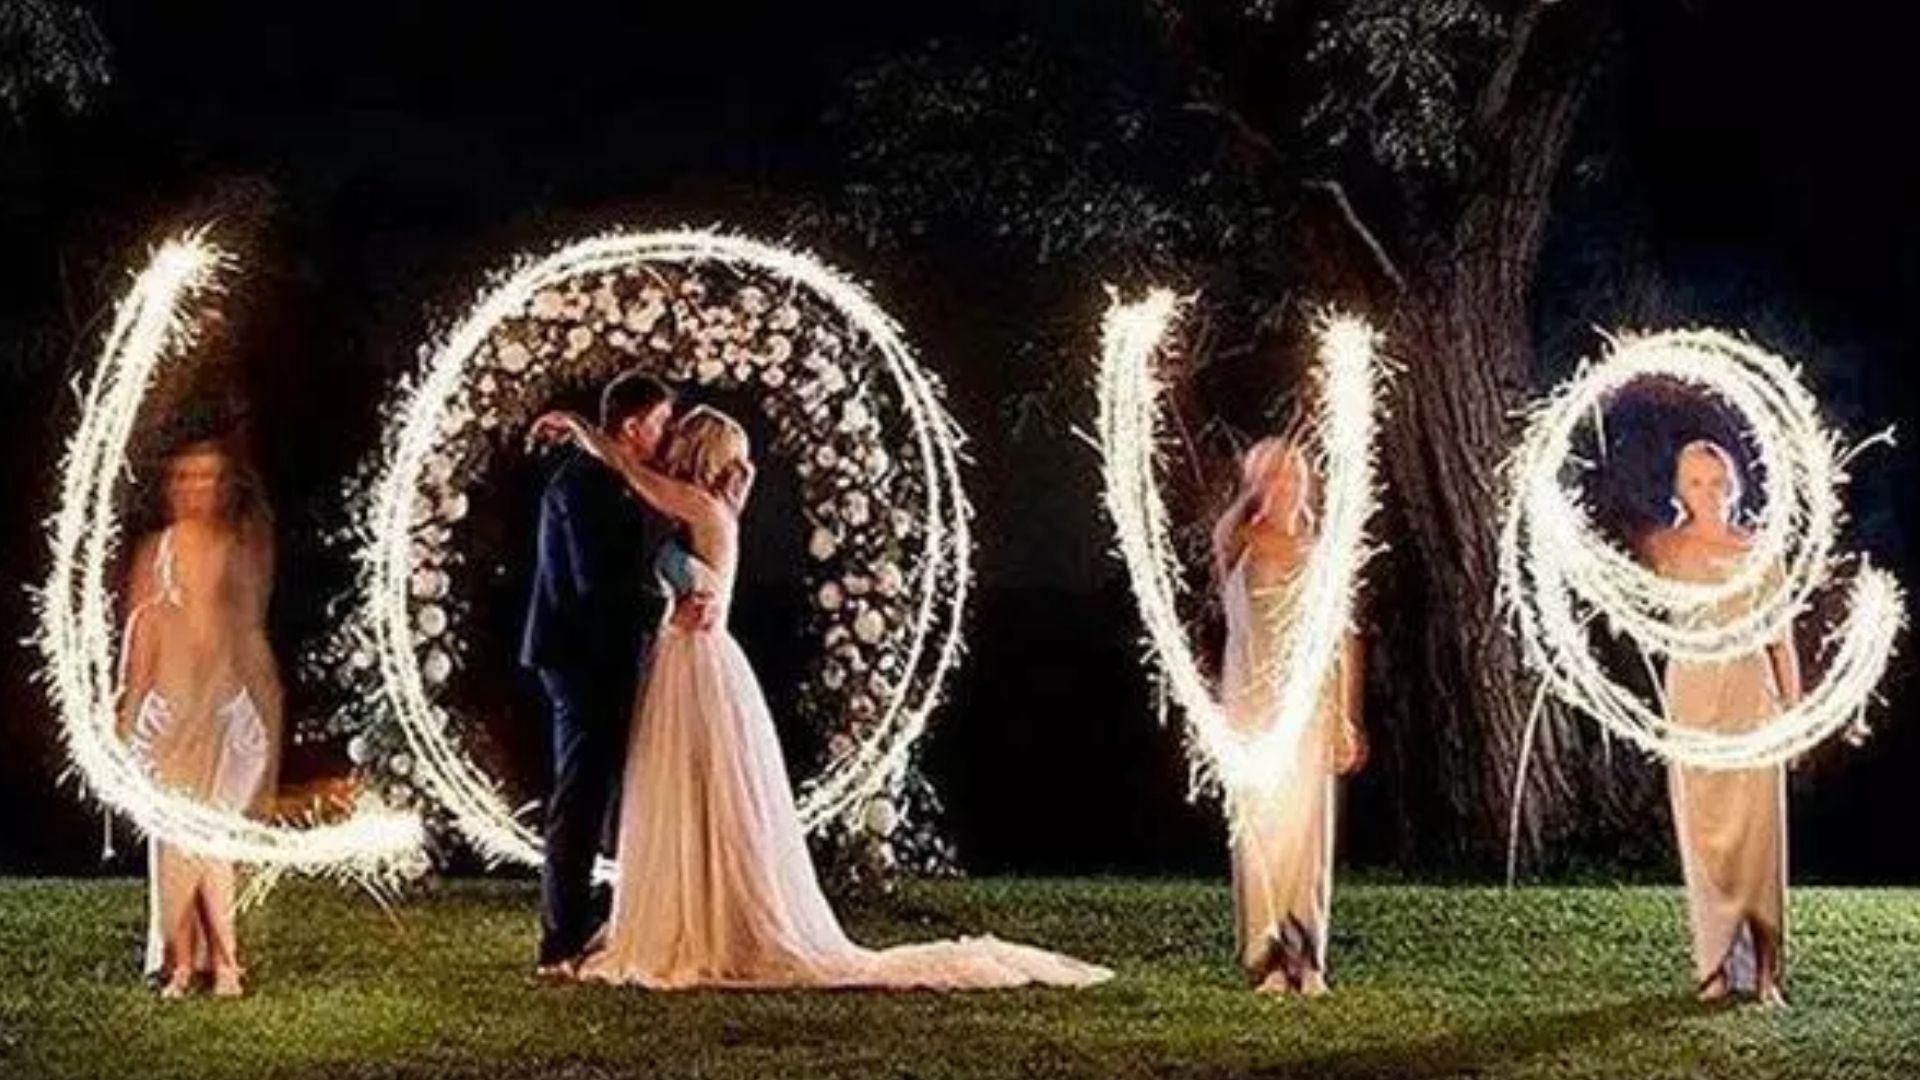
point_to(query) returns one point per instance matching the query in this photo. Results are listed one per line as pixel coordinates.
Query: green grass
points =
(1429, 982)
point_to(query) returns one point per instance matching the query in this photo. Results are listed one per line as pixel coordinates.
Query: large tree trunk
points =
(1457, 695)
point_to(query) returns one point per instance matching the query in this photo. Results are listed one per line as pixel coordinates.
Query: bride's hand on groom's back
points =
(694, 611)
(552, 429)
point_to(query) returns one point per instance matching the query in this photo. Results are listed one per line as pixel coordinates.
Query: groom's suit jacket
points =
(596, 598)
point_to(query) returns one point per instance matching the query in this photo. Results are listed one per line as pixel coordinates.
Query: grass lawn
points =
(1429, 982)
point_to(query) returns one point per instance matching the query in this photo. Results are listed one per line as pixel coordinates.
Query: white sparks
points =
(1556, 572)
(1129, 434)
(79, 638)
(940, 580)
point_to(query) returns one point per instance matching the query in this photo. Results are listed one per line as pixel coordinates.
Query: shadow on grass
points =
(1484, 1048)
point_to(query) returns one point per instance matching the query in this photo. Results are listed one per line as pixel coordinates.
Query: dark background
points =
(379, 160)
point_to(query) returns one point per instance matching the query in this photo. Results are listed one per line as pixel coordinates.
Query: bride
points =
(715, 884)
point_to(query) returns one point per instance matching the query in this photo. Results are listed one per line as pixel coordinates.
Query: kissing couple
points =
(652, 698)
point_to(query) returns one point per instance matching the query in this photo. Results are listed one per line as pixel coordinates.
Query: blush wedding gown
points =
(715, 886)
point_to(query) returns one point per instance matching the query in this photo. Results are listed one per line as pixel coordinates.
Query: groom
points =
(590, 622)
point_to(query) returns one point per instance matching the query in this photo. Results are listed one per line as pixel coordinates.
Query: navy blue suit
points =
(595, 605)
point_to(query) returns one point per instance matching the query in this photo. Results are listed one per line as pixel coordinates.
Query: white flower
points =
(454, 423)
(870, 626)
(881, 817)
(429, 584)
(877, 462)
(360, 659)
(641, 319)
(855, 415)
(514, 357)
(822, 544)
(432, 620)
(439, 468)
(857, 584)
(574, 305)
(454, 506)
(779, 349)
(619, 340)
(832, 379)
(774, 377)
(709, 370)
(359, 750)
(889, 579)
(606, 304)
(833, 677)
(840, 745)
(825, 456)
(660, 342)
(436, 667)
(752, 299)
(399, 764)
(547, 304)
(830, 596)
(854, 508)
(784, 318)
(579, 340)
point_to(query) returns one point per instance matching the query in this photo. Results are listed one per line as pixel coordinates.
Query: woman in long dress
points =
(1731, 824)
(715, 884)
(1282, 833)
(201, 697)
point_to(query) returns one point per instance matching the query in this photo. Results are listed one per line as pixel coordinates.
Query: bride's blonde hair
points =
(708, 449)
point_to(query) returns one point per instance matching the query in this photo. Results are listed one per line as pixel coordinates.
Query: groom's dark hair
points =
(630, 394)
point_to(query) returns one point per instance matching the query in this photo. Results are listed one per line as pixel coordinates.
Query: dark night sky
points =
(1759, 169)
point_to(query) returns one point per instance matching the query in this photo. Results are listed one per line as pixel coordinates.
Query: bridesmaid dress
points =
(1282, 835)
(205, 722)
(715, 885)
(1731, 824)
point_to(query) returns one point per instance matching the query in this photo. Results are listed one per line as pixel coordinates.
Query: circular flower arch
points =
(80, 639)
(1558, 574)
(877, 454)
(1343, 425)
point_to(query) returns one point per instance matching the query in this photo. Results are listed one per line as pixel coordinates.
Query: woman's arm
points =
(137, 647)
(674, 498)
(1353, 689)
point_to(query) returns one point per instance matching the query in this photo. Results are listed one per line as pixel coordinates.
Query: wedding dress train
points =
(715, 884)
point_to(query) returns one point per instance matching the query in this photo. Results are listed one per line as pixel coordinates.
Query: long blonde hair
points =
(708, 449)
(1736, 488)
(1252, 500)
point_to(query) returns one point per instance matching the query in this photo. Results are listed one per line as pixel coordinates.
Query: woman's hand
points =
(556, 427)
(1352, 753)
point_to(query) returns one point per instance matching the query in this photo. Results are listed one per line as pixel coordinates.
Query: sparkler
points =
(79, 639)
(1557, 574)
(941, 578)
(1344, 426)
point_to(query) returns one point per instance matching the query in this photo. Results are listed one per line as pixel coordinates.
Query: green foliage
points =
(47, 46)
(1582, 984)
(1398, 79)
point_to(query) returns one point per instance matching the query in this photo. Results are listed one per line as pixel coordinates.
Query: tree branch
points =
(1334, 191)
(1243, 128)
(1499, 89)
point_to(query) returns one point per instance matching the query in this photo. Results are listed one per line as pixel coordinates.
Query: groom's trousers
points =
(592, 713)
